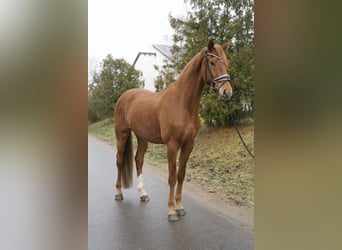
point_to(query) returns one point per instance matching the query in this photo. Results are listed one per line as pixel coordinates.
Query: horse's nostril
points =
(224, 92)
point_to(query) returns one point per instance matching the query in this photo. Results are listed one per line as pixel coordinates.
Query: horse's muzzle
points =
(225, 92)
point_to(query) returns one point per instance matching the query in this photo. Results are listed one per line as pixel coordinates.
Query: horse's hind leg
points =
(139, 161)
(121, 143)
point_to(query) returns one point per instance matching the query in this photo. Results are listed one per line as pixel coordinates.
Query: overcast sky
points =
(124, 28)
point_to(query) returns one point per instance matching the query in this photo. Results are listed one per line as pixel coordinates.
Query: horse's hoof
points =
(119, 197)
(172, 217)
(144, 198)
(180, 212)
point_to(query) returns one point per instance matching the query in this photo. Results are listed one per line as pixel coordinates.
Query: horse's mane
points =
(194, 60)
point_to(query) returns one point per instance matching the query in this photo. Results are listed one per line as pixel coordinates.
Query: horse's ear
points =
(226, 45)
(211, 44)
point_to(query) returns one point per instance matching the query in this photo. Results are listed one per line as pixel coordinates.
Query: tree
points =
(115, 77)
(223, 20)
(166, 75)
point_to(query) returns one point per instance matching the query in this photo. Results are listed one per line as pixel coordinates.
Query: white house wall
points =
(146, 65)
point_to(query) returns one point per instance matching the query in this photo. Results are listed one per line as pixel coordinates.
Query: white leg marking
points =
(141, 186)
(118, 191)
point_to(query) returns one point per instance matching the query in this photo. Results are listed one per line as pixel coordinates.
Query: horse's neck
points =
(190, 84)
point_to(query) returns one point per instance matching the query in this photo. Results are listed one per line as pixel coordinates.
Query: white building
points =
(145, 63)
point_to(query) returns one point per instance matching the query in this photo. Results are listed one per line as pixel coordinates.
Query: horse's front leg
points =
(172, 149)
(183, 159)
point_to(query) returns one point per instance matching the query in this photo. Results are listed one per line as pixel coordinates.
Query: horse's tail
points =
(127, 171)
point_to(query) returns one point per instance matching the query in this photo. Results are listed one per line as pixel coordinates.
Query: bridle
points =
(224, 77)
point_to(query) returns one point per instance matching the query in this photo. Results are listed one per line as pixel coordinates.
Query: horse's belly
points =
(148, 133)
(149, 137)
(156, 140)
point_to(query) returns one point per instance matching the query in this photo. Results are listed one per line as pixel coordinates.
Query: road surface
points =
(131, 224)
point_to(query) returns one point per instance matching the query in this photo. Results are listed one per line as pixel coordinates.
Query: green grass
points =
(219, 163)
(104, 130)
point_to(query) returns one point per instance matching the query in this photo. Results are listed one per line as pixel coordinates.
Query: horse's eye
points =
(212, 63)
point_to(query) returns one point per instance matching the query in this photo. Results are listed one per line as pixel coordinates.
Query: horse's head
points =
(215, 68)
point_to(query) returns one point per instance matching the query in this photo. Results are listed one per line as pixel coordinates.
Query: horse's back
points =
(135, 93)
(132, 96)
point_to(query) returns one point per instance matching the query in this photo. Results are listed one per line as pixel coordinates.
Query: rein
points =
(237, 130)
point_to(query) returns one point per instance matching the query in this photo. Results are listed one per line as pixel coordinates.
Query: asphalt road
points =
(131, 224)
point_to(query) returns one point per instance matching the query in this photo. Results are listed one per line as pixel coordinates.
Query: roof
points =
(165, 50)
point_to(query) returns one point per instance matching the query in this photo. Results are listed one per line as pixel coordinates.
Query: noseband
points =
(224, 77)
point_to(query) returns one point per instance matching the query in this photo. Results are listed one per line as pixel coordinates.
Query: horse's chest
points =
(191, 131)
(185, 132)
(180, 128)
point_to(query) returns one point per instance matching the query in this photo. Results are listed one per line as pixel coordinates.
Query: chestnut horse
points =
(169, 117)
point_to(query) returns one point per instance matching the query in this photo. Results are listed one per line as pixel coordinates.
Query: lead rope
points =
(237, 130)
